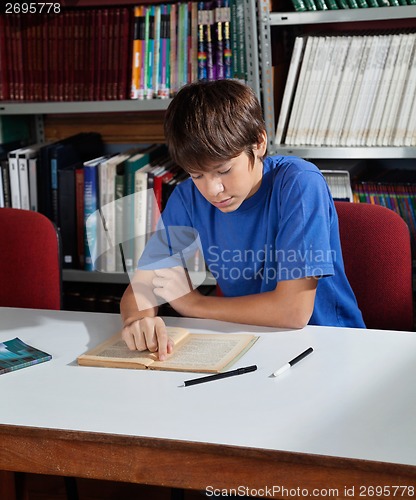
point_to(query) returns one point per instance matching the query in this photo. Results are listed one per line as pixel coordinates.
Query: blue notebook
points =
(15, 354)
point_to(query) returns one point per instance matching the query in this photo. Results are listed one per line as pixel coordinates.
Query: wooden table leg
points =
(7, 485)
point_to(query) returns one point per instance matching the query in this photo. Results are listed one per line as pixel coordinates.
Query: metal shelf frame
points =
(267, 20)
(347, 153)
(342, 16)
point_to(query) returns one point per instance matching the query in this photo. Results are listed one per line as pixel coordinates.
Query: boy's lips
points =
(222, 203)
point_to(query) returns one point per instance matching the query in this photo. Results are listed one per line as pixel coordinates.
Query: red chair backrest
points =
(377, 257)
(30, 268)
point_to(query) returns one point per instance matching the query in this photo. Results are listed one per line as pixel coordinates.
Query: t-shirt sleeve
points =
(304, 235)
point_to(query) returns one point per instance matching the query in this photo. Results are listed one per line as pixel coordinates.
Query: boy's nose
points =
(215, 187)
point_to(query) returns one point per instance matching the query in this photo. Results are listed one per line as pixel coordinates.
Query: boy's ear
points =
(261, 147)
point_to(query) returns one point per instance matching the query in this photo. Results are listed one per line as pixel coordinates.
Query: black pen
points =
(292, 362)
(217, 376)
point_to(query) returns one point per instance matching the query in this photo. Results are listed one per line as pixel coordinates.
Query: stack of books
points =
(117, 53)
(350, 90)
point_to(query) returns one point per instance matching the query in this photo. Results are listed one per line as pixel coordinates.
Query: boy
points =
(268, 226)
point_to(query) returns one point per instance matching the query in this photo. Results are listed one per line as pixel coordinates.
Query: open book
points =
(205, 352)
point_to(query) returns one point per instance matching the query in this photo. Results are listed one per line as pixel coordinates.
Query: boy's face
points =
(227, 185)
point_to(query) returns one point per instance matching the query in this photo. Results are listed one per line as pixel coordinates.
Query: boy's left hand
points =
(174, 286)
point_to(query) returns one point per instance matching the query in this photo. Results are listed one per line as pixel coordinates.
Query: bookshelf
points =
(363, 17)
(58, 119)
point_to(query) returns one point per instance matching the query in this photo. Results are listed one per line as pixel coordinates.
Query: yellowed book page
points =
(114, 352)
(206, 353)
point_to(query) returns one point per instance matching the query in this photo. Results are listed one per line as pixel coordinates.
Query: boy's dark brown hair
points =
(210, 122)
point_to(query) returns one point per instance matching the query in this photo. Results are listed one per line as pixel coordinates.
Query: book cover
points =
(124, 55)
(149, 53)
(1, 188)
(156, 50)
(14, 128)
(79, 204)
(91, 224)
(4, 170)
(165, 42)
(205, 353)
(228, 53)
(27, 177)
(14, 178)
(290, 87)
(67, 215)
(16, 354)
(174, 48)
(137, 53)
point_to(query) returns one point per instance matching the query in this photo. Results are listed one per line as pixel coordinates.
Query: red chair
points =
(377, 257)
(30, 266)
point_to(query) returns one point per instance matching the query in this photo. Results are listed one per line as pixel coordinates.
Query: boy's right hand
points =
(148, 333)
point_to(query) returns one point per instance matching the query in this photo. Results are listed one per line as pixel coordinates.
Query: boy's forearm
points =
(138, 301)
(130, 310)
(276, 308)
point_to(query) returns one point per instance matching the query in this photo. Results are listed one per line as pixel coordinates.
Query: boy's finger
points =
(162, 340)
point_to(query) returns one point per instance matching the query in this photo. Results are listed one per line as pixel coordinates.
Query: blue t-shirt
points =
(287, 230)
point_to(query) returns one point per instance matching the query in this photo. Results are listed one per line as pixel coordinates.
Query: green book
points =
(342, 4)
(352, 4)
(299, 5)
(310, 5)
(394, 3)
(321, 5)
(14, 128)
(332, 4)
(362, 4)
(373, 3)
(383, 3)
(15, 354)
(403, 2)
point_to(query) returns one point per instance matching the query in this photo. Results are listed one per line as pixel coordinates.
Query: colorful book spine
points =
(209, 44)
(157, 49)
(164, 87)
(137, 55)
(173, 48)
(228, 55)
(219, 52)
(202, 54)
(149, 54)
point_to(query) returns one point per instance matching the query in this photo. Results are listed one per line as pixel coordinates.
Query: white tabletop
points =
(354, 396)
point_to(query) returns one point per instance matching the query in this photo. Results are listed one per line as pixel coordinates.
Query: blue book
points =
(91, 197)
(15, 354)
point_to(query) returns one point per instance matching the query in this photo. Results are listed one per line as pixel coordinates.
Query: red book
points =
(125, 55)
(4, 83)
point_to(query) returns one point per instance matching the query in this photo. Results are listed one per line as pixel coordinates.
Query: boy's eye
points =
(196, 177)
(225, 171)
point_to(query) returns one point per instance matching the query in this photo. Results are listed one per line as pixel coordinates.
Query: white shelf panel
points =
(45, 108)
(342, 16)
(347, 152)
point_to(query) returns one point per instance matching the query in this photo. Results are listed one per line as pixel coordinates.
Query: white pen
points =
(292, 362)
